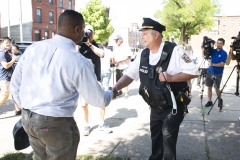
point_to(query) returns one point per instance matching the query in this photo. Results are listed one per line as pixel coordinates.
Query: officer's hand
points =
(164, 77)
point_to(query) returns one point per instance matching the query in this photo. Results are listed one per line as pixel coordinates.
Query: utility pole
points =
(20, 24)
(8, 21)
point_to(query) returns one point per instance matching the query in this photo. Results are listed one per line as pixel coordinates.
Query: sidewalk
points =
(201, 136)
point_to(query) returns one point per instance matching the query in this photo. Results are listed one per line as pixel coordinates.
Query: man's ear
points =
(77, 29)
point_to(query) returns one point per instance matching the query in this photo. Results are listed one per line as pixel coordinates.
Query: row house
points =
(31, 20)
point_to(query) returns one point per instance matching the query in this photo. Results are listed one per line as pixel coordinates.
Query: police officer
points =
(162, 68)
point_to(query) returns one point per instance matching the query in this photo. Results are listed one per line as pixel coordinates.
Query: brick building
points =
(225, 27)
(31, 20)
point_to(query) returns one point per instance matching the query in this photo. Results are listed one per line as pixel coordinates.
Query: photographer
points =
(215, 72)
(90, 49)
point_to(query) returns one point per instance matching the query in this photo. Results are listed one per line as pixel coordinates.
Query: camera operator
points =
(215, 72)
(90, 49)
(235, 47)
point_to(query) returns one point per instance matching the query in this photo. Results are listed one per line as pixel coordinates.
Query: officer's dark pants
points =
(164, 128)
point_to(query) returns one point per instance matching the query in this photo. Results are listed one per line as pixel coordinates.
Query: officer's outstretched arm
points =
(124, 81)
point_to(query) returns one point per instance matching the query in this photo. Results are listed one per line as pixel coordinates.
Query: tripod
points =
(237, 84)
(202, 78)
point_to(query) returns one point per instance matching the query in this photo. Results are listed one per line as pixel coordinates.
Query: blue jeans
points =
(105, 79)
(51, 138)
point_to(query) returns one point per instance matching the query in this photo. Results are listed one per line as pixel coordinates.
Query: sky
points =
(134, 10)
(125, 12)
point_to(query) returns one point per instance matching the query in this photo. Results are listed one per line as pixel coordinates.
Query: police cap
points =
(148, 23)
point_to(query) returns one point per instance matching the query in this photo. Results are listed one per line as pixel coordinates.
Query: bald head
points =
(71, 25)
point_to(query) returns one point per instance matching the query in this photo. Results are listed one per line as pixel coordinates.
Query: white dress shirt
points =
(176, 65)
(50, 76)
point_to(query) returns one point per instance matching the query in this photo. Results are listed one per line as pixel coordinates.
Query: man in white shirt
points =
(47, 83)
(163, 69)
(122, 58)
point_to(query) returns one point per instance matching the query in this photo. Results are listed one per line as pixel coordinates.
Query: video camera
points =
(207, 45)
(236, 46)
(84, 47)
(87, 33)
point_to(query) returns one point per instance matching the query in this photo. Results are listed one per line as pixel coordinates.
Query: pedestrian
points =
(193, 57)
(122, 59)
(215, 72)
(163, 68)
(46, 84)
(16, 51)
(106, 62)
(90, 49)
(6, 62)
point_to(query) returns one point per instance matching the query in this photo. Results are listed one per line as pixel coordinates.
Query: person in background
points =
(162, 68)
(215, 72)
(122, 59)
(48, 89)
(6, 62)
(16, 51)
(92, 52)
(193, 57)
(106, 62)
(173, 41)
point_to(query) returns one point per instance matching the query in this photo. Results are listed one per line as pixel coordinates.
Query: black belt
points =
(39, 116)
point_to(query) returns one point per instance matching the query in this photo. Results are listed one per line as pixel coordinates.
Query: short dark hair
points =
(6, 38)
(105, 44)
(70, 18)
(16, 46)
(221, 39)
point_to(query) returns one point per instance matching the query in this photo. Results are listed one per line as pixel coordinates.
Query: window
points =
(50, 1)
(37, 35)
(61, 3)
(39, 15)
(69, 4)
(224, 32)
(46, 35)
(224, 22)
(51, 17)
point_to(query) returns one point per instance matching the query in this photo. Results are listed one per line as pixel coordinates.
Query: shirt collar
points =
(65, 40)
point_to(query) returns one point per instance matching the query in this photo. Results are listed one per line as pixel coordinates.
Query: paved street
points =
(201, 137)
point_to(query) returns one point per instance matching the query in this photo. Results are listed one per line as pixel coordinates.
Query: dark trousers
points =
(119, 74)
(51, 138)
(164, 128)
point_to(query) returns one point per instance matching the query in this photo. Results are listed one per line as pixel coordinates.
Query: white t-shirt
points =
(121, 53)
(105, 61)
(176, 65)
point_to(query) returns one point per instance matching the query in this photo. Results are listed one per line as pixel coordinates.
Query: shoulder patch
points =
(186, 58)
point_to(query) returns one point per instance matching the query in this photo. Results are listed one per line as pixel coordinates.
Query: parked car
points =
(23, 45)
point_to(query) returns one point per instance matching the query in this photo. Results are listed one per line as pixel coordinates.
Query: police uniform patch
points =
(186, 58)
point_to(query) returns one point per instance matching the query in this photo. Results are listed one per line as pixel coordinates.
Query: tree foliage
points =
(96, 15)
(187, 17)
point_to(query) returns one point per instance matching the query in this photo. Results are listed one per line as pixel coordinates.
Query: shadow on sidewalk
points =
(120, 117)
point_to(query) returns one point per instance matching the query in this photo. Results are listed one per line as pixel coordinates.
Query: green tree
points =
(97, 15)
(184, 18)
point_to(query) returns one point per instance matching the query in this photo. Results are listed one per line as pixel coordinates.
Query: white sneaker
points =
(86, 131)
(104, 128)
